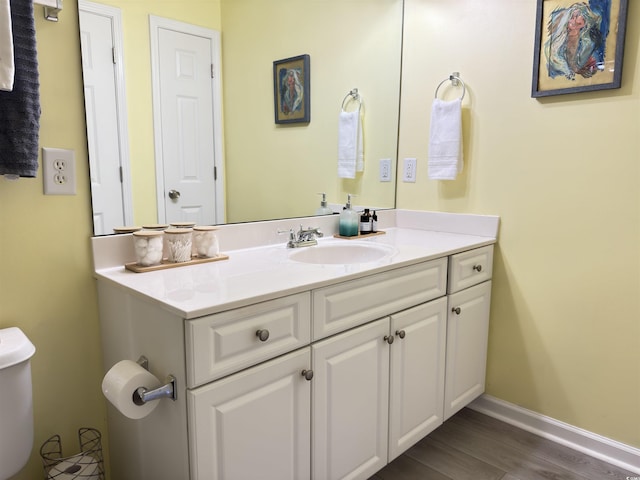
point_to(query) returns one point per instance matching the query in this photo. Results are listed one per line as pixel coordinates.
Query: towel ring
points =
(454, 80)
(354, 96)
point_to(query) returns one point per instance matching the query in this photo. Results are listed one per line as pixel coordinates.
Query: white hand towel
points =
(445, 140)
(350, 152)
(7, 66)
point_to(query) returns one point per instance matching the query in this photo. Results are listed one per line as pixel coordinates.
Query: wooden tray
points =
(134, 267)
(360, 236)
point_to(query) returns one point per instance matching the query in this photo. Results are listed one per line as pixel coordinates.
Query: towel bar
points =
(454, 78)
(354, 95)
(51, 8)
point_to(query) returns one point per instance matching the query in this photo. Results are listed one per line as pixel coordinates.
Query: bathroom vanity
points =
(289, 369)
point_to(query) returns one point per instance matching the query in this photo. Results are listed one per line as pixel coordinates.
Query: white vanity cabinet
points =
(378, 389)
(254, 424)
(467, 327)
(323, 382)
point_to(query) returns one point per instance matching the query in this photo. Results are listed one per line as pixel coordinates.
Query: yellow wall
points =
(351, 44)
(563, 174)
(46, 287)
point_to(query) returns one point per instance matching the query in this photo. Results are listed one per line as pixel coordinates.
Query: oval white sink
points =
(342, 253)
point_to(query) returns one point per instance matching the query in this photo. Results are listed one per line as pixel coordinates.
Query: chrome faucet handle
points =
(291, 233)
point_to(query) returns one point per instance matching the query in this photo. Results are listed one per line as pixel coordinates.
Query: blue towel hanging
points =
(20, 108)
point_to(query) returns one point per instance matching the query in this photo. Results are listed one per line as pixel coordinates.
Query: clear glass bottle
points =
(348, 225)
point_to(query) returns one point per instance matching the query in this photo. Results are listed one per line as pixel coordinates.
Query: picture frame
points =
(291, 89)
(579, 46)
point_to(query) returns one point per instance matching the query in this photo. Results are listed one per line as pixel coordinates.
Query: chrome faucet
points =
(305, 237)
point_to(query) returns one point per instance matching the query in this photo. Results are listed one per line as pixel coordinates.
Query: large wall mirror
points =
(257, 169)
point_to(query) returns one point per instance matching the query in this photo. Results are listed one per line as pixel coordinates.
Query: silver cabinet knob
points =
(456, 310)
(477, 268)
(389, 339)
(307, 374)
(174, 194)
(401, 333)
(263, 335)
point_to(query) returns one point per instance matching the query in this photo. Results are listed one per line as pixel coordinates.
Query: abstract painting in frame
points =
(291, 88)
(579, 46)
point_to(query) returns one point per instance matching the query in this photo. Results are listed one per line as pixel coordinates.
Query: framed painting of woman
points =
(291, 85)
(579, 46)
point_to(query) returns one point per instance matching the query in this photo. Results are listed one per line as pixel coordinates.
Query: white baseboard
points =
(611, 451)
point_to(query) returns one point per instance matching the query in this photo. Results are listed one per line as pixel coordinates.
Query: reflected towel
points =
(350, 150)
(20, 108)
(445, 140)
(7, 68)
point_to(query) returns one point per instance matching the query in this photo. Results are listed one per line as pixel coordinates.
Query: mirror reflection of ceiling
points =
(275, 171)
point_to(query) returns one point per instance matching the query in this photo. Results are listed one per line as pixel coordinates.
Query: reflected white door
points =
(105, 109)
(185, 141)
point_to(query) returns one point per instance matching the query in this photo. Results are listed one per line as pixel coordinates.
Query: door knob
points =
(477, 268)
(456, 310)
(174, 194)
(307, 374)
(401, 333)
(389, 339)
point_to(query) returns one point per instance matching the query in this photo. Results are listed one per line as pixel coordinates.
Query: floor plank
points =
(452, 462)
(474, 446)
(531, 444)
(500, 454)
(406, 468)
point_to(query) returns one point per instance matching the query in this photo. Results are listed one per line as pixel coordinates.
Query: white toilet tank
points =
(16, 402)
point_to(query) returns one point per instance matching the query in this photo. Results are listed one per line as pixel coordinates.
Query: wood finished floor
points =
(473, 446)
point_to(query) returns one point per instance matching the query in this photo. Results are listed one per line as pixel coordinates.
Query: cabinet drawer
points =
(348, 304)
(470, 268)
(220, 344)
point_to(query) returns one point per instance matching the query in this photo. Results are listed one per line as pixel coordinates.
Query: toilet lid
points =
(15, 347)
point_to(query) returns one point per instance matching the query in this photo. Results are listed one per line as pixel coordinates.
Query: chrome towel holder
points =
(455, 80)
(352, 95)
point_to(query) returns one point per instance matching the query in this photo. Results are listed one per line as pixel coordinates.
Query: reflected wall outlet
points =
(385, 170)
(58, 171)
(409, 171)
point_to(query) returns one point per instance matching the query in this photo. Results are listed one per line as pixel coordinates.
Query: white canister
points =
(178, 244)
(148, 247)
(205, 241)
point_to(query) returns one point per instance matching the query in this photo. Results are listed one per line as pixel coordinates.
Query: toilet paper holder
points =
(142, 395)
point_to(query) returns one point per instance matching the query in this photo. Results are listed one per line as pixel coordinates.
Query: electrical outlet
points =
(385, 170)
(58, 171)
(409, 173)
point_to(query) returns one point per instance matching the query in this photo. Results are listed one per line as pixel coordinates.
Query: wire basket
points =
(87, 465)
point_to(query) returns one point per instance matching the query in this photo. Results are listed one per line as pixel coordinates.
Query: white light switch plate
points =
(59, 171)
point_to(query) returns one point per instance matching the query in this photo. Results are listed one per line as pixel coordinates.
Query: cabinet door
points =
(254, 424)
(350, 403)
(467, 332)
(417, 374)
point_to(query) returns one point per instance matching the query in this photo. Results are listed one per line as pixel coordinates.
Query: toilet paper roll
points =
(120, 383)
(79, 466)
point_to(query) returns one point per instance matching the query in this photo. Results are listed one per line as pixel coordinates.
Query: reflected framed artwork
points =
(579, 46)
(291, 88)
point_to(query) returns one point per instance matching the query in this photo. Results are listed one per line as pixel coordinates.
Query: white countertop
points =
(265, 272)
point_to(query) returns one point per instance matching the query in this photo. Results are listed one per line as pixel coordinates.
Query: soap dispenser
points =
(323, 209)
(348, 220)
